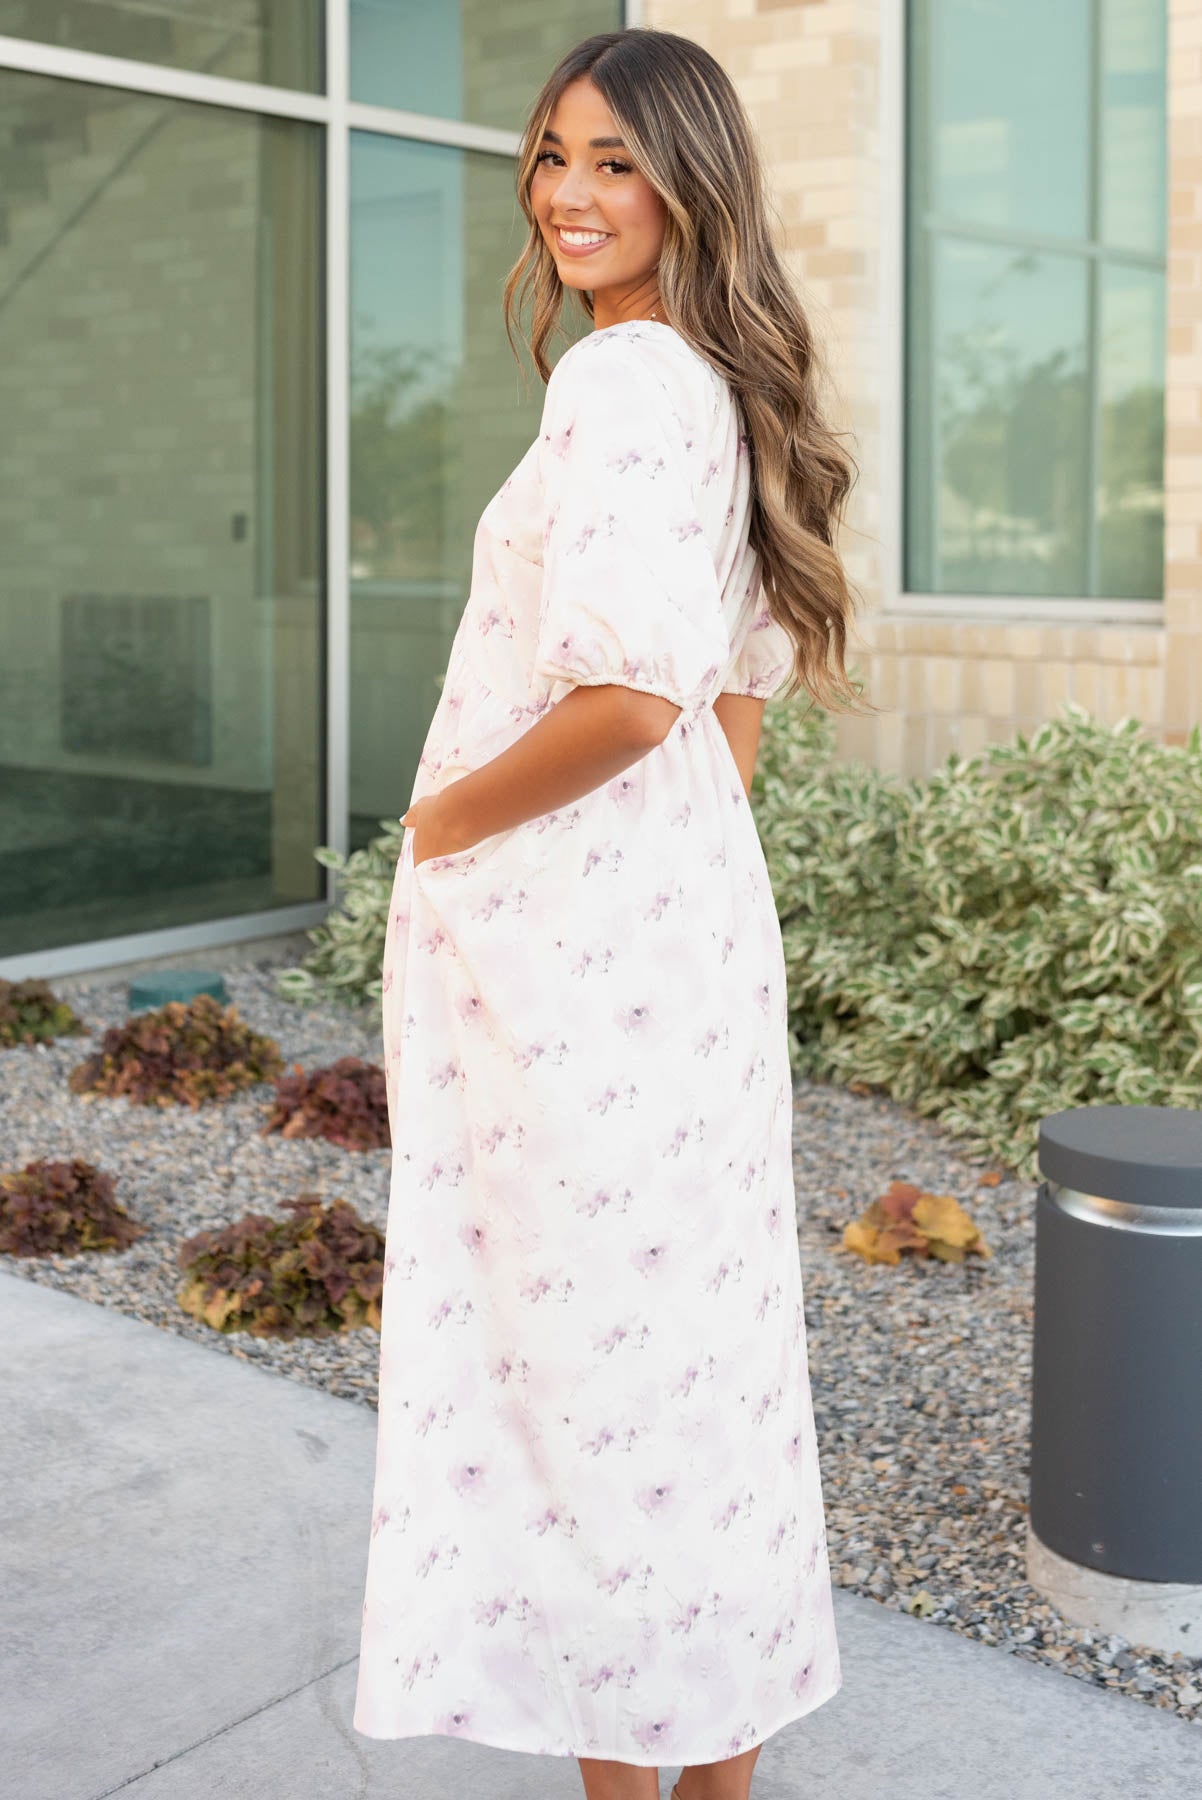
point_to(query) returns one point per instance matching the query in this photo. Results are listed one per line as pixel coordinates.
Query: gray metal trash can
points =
(1116, 1401)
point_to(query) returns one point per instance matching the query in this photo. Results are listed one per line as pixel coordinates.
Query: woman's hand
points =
(580, 743)
(432, 832)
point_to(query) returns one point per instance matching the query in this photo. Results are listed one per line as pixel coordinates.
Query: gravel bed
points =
(920, 1373)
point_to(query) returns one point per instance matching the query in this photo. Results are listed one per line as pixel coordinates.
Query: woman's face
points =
(593, 189)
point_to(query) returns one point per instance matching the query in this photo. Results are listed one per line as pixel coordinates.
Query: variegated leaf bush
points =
(348, 945)
(1018, 933)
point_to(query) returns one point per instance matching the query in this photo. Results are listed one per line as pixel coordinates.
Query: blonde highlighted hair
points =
(725, 290)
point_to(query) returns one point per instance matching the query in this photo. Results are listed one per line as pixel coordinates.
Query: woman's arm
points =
(741, 717)
(587, 738)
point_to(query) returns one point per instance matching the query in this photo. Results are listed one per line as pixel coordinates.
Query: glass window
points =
(1133, 136)
(1008, 129)
(161, 480)
(1035, 298)
(1131, 450)
(440, 414)
(465, 59)
(274, 41)
(1010, 422)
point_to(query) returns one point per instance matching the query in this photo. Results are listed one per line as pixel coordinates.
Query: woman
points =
(597, 1526)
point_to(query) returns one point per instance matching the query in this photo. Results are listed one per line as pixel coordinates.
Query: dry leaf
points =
(941, 1216)
(864, 1239)
(903, 1236)
(900, 1199)
(907, 1218)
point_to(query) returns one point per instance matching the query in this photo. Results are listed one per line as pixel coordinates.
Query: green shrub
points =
(53, 1208)
(31, 1014)
(317, 1272)
(348, 945)
(346, 1103)
(1019, 933)
(183, 1053)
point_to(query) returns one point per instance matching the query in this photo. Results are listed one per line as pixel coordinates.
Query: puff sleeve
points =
(765, 659)
(630, 590)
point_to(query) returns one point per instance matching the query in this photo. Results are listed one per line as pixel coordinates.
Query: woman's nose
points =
(572, 190)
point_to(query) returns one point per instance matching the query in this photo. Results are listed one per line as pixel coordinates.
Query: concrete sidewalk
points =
(184, 1552)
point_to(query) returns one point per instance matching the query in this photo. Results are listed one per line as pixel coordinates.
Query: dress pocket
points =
(452, 859)
(460, 864)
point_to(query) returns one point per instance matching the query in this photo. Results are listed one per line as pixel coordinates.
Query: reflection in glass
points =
(465, 59)
(1011, 412)
(273, 41)
(1131, 438)
(1133, 124)
(440, 414)
(1006, 111)
(161, 592)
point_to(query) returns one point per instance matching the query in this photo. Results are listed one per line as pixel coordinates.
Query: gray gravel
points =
(920, 1373)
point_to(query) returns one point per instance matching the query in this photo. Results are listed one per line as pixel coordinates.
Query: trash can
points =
(1116, 1396)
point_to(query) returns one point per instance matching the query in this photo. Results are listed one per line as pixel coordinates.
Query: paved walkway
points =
(184, 1548)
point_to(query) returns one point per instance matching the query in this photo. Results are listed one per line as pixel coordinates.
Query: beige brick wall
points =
(810, 73)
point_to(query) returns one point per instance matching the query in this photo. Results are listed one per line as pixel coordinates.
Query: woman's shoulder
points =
(638, 359)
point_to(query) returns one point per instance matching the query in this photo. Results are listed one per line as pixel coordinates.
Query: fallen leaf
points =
(899, 1200)
(904, 1237)
(941, 1216)
(864, 1239)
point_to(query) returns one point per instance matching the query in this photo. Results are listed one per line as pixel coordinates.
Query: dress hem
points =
(623, 1756)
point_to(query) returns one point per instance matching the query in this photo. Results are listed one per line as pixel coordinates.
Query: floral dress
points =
(597, 1525)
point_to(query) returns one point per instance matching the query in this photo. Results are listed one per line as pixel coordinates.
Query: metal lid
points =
(1149, 1155)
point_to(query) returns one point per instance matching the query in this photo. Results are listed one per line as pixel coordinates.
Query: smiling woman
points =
(602, 219)
(597, 1524)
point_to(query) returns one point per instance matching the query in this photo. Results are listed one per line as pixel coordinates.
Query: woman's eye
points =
(609, 162)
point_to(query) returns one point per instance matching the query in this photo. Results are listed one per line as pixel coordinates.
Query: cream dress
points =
(597, 1524)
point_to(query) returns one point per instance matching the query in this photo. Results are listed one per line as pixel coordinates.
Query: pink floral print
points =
(597, 1525)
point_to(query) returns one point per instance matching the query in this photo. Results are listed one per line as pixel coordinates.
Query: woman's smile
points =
(575, 241)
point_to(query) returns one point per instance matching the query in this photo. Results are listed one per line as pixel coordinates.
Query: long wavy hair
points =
(725, 290)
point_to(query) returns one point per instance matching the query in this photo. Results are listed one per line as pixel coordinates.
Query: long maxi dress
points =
(597, 1525)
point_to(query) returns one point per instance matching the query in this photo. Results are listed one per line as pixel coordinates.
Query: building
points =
(256, 389)
(996, 212)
